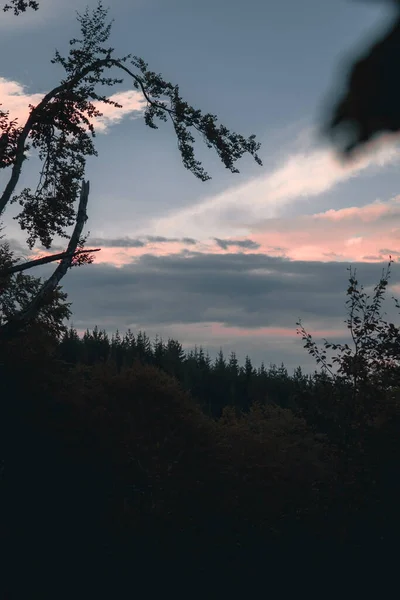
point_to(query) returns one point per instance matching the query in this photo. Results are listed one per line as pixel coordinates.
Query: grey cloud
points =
(280, 249)
(331, 254)
(127, 242)
(54, 248)
(124, 242)
(373, 257)
(247, 291)
(225, 244)
(19, 250)
(157, 238)
(386, 252)
(161, 239)
(251, 290)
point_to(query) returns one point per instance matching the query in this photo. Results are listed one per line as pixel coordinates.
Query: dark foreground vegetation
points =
(128, 467)
(113, 473)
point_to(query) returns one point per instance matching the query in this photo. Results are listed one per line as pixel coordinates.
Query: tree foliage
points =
(20, 6)
(18, 290)
(374, 359)
(213, 384)
(369, 105)
(364, 389)
(60, 129)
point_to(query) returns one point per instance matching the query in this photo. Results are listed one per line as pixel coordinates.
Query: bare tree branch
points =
(25, 316)
(44, 260)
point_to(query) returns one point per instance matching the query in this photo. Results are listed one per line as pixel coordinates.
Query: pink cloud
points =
(16, 99)
(222, 331)
(367, 213)
(363, 233)
(121, 256)
(354, 234)
(359, 234)
(304, 173)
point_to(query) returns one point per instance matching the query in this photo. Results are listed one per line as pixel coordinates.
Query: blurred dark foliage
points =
(370, 104)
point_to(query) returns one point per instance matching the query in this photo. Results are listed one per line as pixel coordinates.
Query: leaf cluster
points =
(371, 368)
(20, 6)
(18, 290)
(61, 128)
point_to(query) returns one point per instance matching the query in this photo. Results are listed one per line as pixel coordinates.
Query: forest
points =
(129, 465)
(133, 456)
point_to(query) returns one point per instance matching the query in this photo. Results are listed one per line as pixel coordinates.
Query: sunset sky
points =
(233, 262)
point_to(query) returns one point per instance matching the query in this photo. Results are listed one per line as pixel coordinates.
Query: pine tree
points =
(70, 346)
(96, 346)
(117, 351)
(220, 364)
(158, 351)
(233, 365)
(174, 358)
(248, 368)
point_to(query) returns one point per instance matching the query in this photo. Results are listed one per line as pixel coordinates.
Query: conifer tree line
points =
(215, 384)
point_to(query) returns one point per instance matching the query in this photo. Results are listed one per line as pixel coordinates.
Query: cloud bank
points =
(368, 233)
(237, 301)
(302, 174)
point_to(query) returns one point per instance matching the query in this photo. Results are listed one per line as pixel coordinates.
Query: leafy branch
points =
(22, 318)
(372, 366)
(20, 6)
(61, 129)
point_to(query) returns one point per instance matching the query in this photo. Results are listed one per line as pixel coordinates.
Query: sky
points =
(233, 262)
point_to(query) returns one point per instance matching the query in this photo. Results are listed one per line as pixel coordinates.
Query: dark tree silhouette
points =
(20, 6)
(371, 102)
(60, 128)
